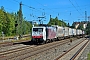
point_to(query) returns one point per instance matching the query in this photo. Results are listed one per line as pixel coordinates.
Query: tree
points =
(88, 29)
(11, 24)
(55, 21)
(2, 20)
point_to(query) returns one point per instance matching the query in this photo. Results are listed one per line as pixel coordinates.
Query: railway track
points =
(42, 50)
(5, 55)
(73, 53)
(29, 52)
(23, 53)
(6, 44)
(45, 52)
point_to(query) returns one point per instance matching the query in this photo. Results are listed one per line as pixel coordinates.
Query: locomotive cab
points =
(38, 34)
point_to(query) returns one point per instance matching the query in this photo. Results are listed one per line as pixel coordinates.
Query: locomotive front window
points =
(35, 29)
(38, 29)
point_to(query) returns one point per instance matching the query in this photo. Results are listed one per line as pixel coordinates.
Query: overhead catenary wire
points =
(78, 6)
(36, 10)
(33, 9)
(46, 7)
(75, 7)
(34, 16)
(42, 5)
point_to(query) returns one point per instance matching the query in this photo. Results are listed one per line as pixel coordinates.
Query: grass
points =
(88, 57)
(22, 39)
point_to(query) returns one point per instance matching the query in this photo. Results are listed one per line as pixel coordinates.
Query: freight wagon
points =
(74, 32)
(70, 32)
(60, 32)
(66, 32)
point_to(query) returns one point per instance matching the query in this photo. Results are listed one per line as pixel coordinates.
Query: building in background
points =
(82, 23)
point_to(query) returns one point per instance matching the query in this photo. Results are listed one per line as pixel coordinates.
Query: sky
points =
(67, 10)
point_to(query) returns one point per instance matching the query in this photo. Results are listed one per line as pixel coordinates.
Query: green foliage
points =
(88, 28)
(27, 27)
(57, 22)
(8, 22)
(88, 56)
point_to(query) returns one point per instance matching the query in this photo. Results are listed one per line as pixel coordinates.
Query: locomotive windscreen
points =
(38, 29)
